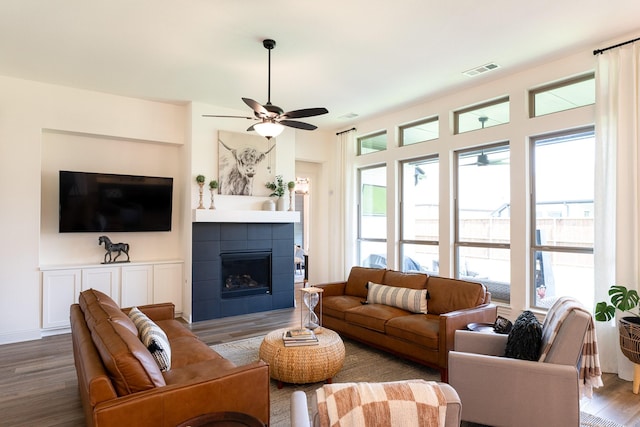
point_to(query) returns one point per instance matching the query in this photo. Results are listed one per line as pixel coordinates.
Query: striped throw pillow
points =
(413, 300)
(153, 337)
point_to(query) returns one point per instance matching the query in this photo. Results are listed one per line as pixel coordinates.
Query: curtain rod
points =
(345, 131)
(599, 51)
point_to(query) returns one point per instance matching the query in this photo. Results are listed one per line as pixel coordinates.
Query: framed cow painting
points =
(245, 164)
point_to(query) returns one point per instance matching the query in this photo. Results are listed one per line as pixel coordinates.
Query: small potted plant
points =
(200, 180)
(291, 186)
(213, 186)
(277, 190)
(624, 300)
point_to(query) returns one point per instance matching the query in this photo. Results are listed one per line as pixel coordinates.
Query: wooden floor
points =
(38, 384)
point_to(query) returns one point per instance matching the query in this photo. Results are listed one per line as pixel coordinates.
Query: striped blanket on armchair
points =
(590, 375)
(401, 404)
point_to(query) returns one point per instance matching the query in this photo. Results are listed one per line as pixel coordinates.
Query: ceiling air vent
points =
(481, 69)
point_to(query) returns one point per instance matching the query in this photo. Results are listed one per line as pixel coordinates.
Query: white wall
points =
(27, 109)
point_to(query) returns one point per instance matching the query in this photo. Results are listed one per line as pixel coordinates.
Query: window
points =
(372, 143)
(562, 168)
(482, 116)
(420, 213)
(372, 217)
(562, 96)
(423, 130)
(482, 234)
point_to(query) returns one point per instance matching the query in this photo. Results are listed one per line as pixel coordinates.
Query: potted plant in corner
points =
(277, 190)
(624, 300)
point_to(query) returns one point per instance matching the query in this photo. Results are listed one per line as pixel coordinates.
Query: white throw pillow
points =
(153, 337)
(413, 300)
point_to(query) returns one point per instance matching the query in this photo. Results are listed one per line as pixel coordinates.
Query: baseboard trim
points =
(13, 337)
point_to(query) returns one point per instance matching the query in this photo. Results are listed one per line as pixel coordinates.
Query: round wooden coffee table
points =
(304, 364)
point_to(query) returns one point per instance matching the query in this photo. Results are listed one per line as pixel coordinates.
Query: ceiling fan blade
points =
(297, 125)
(305, 112)
(251, 128)
(228, 117)
(256, 106)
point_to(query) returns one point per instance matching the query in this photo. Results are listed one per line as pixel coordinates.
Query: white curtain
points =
(616, 251)
(345, 149)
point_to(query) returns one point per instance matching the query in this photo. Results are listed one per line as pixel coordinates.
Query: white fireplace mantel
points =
(242, 216)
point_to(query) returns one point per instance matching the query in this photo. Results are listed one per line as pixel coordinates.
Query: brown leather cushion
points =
(358, 279)
(373, 316)
(447, 295)
(98, 307)
(336, 306)
(129, 364)
(404, 280)
(416, 328)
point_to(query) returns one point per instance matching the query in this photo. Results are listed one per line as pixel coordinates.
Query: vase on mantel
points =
(269, 205)
(280, 203)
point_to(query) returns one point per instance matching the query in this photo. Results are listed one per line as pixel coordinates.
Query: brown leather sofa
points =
(120, 382)
(424, 338)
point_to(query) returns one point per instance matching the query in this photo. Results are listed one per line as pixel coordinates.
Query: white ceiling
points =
(350, 56)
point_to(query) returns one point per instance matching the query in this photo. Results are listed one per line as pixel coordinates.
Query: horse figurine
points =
(113, 247)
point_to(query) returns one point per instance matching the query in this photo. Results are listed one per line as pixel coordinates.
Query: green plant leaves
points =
(622, 298)
(604, 312)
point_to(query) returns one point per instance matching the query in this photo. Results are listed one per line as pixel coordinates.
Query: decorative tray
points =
(480, 327)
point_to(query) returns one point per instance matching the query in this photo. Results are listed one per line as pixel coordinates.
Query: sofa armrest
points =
(299, 409)
(156, 312)
(459, 319)
(491, 387)
(332, 289)
(490, 344)
(173, 404)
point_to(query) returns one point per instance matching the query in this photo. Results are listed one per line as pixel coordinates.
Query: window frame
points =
(370, 136)
(402, 241)
(556, 85)
(402, 128)
(360, 239)
(457, 242)
(457, 113)
(535, 247)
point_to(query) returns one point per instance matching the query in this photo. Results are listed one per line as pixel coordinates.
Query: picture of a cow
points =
(240, 170)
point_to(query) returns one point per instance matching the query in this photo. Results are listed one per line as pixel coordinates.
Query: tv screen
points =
(98, 202)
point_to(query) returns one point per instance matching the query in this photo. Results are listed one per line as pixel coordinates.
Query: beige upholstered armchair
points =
(500, 391)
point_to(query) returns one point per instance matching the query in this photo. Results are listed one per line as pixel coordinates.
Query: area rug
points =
(362, 364)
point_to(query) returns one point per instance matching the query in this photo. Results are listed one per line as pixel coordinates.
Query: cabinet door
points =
(60, 289)
(137, 285)
(168, 283)
(103, 279)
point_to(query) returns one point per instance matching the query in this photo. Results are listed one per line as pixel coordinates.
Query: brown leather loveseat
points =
(426, 338)
(120, 382)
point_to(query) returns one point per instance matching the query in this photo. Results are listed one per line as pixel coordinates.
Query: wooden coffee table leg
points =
(280, 385)
(329, 380)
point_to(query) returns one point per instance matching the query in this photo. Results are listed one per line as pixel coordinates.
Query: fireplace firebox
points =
(245, 273)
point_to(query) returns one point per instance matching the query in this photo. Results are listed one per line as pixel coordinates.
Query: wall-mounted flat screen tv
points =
(98, 202)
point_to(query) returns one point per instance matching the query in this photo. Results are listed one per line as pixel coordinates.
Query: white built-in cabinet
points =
(128, 284)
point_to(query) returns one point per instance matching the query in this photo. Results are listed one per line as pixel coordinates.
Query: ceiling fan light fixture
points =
(268, 129)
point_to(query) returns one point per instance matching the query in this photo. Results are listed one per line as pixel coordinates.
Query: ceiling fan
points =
(271, 118)
(483, 159)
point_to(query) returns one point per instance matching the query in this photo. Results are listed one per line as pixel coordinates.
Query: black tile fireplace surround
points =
(210, 240)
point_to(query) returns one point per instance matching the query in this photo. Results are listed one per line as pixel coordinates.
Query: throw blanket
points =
(590, 375)
(401, 404)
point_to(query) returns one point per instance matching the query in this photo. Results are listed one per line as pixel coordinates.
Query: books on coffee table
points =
(299, 337)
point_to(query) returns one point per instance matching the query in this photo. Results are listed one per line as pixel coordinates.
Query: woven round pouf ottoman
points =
(304, 364)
